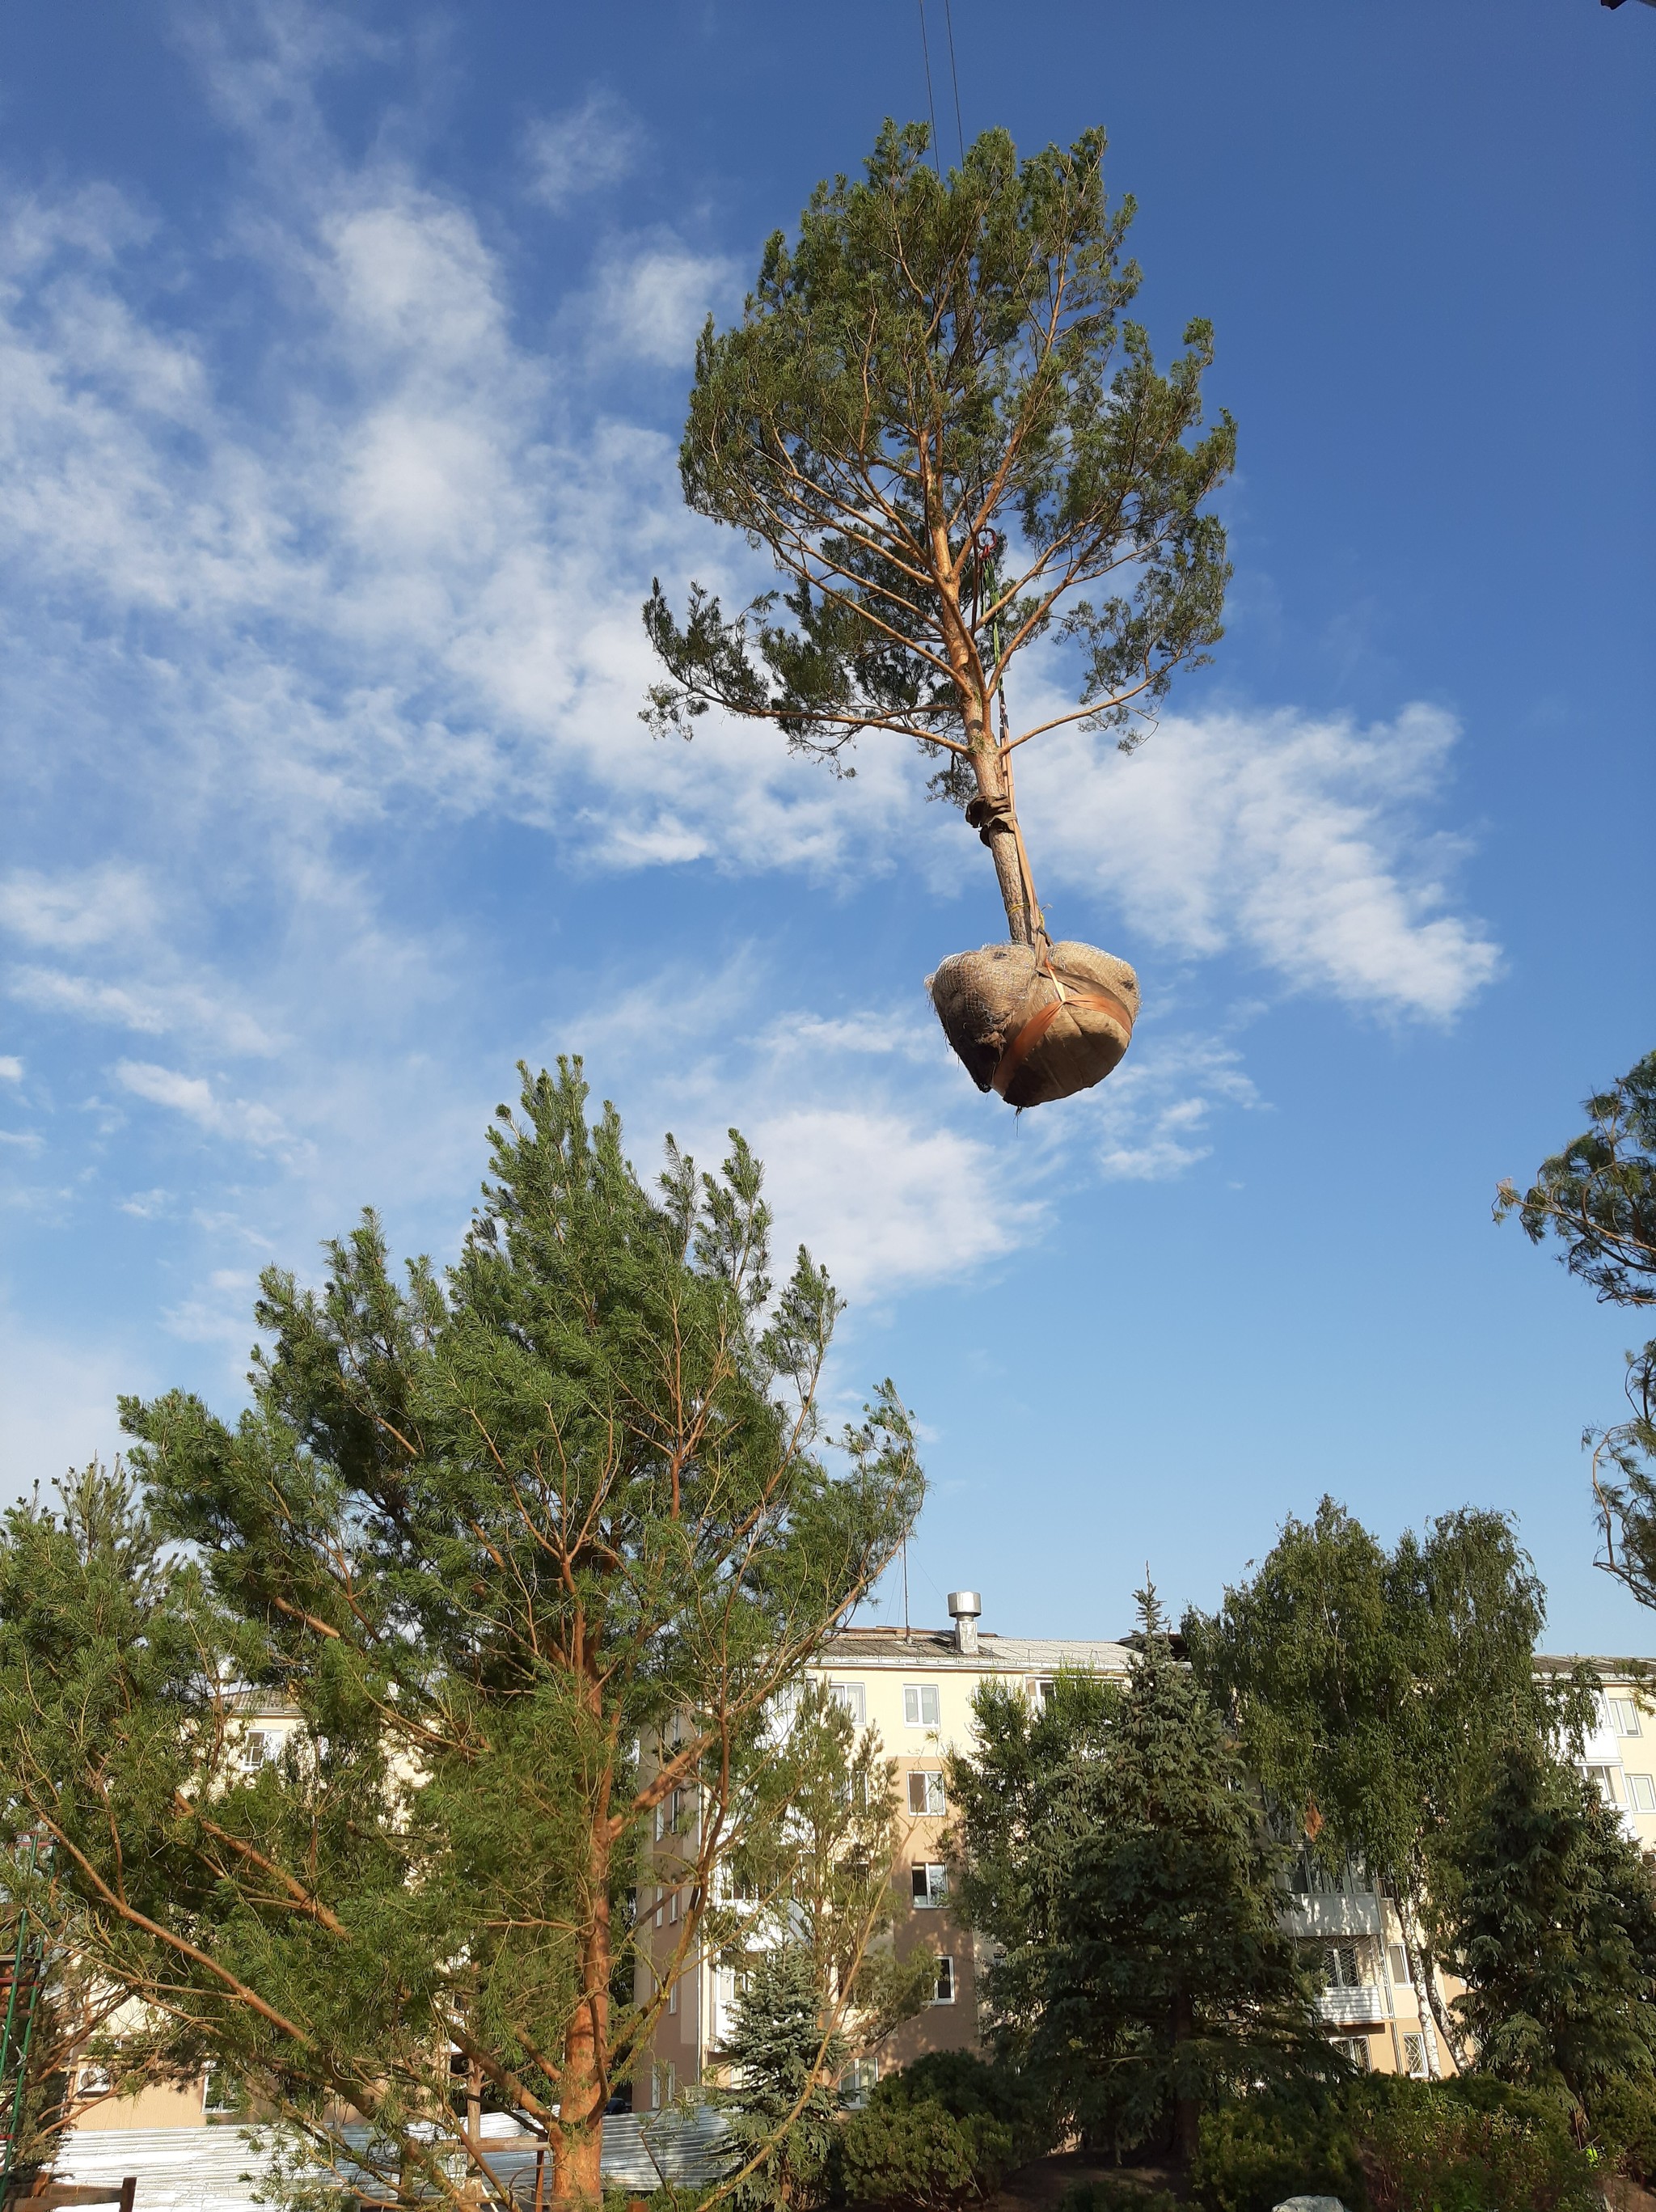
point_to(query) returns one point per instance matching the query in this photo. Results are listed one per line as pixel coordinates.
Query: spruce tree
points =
(1161, 1980)
(481, 1533)
(1554, 1935)
(782, 2105)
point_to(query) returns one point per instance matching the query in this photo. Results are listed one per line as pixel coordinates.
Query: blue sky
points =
(344, 353)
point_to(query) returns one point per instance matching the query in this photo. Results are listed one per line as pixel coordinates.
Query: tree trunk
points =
(1417, 1972)
(583, 2076)
(1451, 2040)
(583, 2080)
(993, 814)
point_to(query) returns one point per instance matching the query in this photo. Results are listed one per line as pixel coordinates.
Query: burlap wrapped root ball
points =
(1019, 1034)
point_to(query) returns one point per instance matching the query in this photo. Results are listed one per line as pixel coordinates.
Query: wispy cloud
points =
(581, 150)
(77, 909)
(11, 1068)
(1300, 842)
(194, 1096)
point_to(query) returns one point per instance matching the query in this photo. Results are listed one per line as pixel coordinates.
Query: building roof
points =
(936, 1648)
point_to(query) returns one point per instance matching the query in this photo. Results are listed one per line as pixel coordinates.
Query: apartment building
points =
(916, 1688)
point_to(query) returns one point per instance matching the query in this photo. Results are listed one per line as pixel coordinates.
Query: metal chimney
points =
(964, 1608)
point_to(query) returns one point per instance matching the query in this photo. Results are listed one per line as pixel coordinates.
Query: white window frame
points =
(1602, 1779)
(1642, 1792)
(928, 1882)
(853, 1696)
(1624, 1715)
(916, 1696)
(934, 1799)
(859, 2078)
(1400, 1976)
(945, 1994)
(672, 1996)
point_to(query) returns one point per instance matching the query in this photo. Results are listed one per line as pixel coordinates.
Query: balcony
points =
(1351, 2008)
(1332, 1913)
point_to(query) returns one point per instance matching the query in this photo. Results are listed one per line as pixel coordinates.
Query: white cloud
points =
(146, 1204)
(77, 909)
(1152, 1119)
(57, 1404)
(11, 1068)
(25, 1140)
(581, 150)
(194, 1097)
(651, 304)
(1296, 841)
(153, 1009)
(885, 1198)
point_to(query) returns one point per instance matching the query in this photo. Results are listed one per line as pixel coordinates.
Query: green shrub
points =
(1472, 2146)
(1254, 2153)
(943, 2133)
(919, 2158)
(1624, 2119)
(1395, 2145)
(1110, 2192)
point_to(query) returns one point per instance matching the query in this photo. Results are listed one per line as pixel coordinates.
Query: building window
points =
(1341, 1966)
(857, 2080)
(1356, 2048)
(1038, 1688)
(945, 1990)
(260, 1748)
(218, 2096)
(1641, 1789)
(672, 1997)
(920, 1704)
(1624, 1715)
(925, 1792)
(1400, 1973)
(852, 1697)
(664, 2086)
(672, 1907)
(930, 1886)
(1603, 1781)
(1414, 2056)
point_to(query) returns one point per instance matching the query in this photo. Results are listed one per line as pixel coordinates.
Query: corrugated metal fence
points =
(218, 2169)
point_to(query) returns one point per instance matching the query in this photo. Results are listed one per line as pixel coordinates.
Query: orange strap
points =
(1040, 1022)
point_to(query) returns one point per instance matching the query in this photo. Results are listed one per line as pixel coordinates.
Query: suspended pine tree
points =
(936, 418)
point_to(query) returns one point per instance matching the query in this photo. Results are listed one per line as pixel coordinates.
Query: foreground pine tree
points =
(482, 1533)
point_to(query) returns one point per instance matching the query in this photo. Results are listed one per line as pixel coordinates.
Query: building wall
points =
(917, 1692)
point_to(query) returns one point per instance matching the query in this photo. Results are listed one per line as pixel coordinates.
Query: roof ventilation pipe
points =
(964, 1608)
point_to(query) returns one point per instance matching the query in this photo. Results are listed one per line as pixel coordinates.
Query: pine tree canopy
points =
(479, 1536)
(936, 419)
(1598, 1197)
